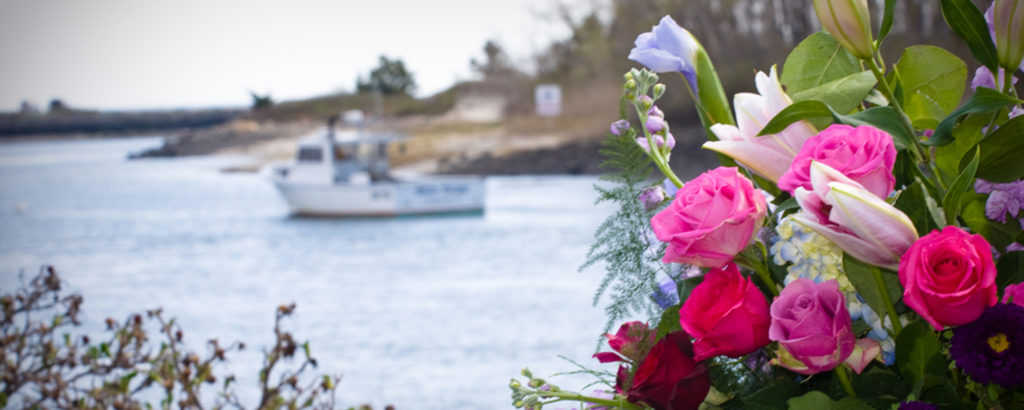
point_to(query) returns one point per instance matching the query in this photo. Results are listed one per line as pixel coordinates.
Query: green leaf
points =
(772, 397)
(1002, 153)
(955, 199)
(795, 112)
(984, 100)
(1011, 269)
(910, 202)
(885, 119)
(879, 387)
(967, 21)
(916, 347)
(863, 280)
(842, 95)
(813, 400)
(967, 134)
(711, 97)
(890, 11)
(933, 82)
(669, 321)
(815, 61)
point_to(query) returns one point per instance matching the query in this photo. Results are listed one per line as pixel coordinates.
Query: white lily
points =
(769, 155)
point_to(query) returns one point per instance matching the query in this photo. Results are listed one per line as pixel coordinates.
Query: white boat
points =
(347, 173)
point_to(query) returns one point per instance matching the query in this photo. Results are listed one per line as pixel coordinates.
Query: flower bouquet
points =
(860, 246)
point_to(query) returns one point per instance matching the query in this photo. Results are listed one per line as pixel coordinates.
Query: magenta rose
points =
(1014, 294)
(711, 219)
(864, 154)
(668, 378)
(949, 277)
(632, 342)
(812, 326)
(726, 314)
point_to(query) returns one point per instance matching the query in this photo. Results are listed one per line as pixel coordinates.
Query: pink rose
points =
(726, 314)
(949, 277)
(864, 154)
(712, 218)
(1014, 294)
(812, 326)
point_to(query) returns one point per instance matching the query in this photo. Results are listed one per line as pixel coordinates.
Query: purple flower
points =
(983, 78)
(916, 405)
(655, 124)
(670, 188)
(667, 294)
(620, 126)
(667, 140)
(652, 197)
(655, 112)
(668, 48)
(991, 349)
(1006, 198)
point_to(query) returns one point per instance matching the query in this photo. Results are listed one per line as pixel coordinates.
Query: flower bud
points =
(655, 112)
(645, 102)
(655, 124)
(659, 90)
(652, 197)
(629, 85)
(849, 22)
(1008, 22)
(618, 127)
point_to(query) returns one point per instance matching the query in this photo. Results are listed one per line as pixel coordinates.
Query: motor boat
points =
(347, 173)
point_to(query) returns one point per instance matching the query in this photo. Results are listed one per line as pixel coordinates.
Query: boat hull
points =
(386, 198)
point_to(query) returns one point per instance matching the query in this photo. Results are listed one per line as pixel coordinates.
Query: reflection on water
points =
(421, 312)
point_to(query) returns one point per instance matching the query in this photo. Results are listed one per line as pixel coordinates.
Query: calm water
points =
(426, 312)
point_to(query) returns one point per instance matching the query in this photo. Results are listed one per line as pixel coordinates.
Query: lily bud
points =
(856, 220)
(849, 22)
(1008, 22)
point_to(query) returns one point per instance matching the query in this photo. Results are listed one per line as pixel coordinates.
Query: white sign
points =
(548, 98)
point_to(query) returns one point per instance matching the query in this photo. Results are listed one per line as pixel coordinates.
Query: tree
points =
(496, 61)
(390, 77)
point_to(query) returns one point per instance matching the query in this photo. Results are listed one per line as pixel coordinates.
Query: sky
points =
(160, 54)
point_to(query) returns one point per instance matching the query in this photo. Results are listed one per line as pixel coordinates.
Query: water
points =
(425, 312)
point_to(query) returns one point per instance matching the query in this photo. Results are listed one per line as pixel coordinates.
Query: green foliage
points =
(817, 60)
(956, 196)
(862, 277)
(919, 356)
(621, 242)
(1002, 153)
(389, 77)
(967, 22)
(984, 100)
(773, 397)
(261, 101)
(812, 400)
(843, 94)
(933, 81)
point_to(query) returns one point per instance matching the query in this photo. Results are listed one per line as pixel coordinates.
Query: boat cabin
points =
(341, 157)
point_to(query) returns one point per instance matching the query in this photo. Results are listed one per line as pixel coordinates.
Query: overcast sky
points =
(132, 54)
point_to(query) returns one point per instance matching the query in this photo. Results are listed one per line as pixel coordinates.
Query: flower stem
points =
(897, 327)
(619, 403)
(883, 85)
(762, 272)
(844, 379)
(654, 151)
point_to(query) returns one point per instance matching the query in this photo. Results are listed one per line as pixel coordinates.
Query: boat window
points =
(310, 154)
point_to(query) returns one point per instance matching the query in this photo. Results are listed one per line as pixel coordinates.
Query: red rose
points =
(668, 378)
(726, 314)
